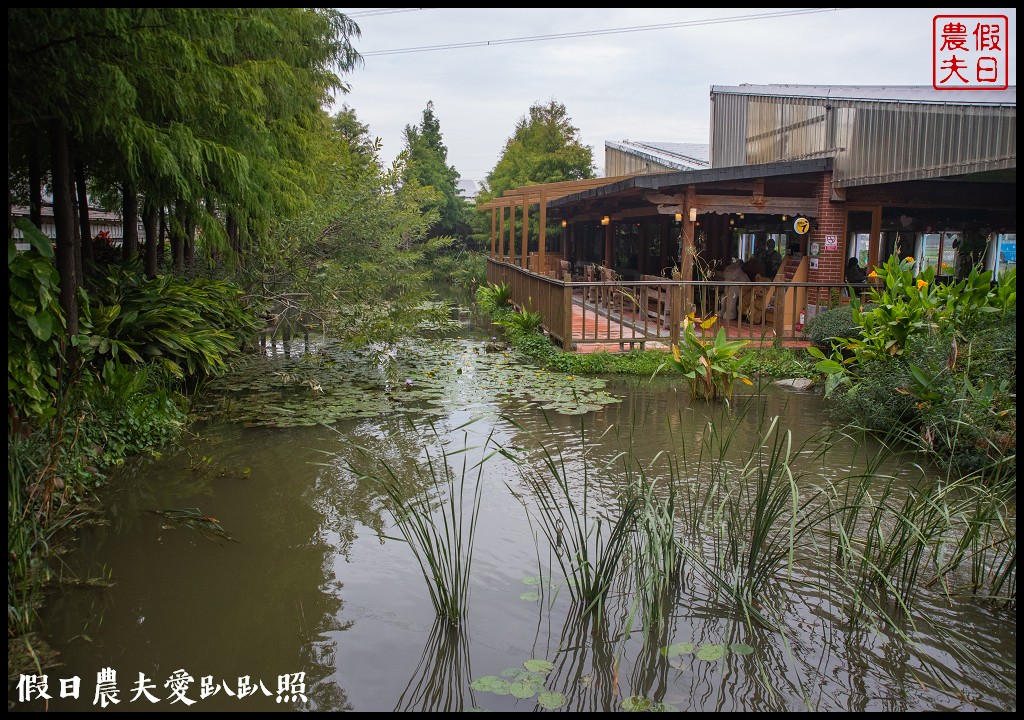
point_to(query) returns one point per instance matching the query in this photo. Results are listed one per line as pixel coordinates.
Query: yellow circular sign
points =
(801, 225)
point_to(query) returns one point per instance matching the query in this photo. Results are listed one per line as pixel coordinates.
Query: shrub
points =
(834, 323)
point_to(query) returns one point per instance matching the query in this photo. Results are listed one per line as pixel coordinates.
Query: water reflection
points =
(318, 583)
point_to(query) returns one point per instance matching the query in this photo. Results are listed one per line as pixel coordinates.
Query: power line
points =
(593, 33)
(383, 11)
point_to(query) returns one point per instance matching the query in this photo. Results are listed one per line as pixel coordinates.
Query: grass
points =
(439, 525)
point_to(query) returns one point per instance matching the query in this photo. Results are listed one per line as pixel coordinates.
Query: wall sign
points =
(813, 263)
(801, 226)
(831, 242)
(815, 249)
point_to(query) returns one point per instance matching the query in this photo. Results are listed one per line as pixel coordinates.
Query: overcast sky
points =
(651, 84)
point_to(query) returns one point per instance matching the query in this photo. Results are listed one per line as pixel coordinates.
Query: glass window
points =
(1005, 258)
(935, 250)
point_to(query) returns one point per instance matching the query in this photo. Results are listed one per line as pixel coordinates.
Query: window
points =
(1004, 257)
(935, 250)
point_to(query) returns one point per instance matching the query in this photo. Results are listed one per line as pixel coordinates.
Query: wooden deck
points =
(618, 329)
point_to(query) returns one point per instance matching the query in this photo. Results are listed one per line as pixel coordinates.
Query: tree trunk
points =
(163, 234)
(149, 223)
(177, 238)
(190, 241)
(130, 220)
(64, 223)
(85, 227)
(79, 270)
(35, 192)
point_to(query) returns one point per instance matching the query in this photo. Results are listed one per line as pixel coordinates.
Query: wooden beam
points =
(526, 229)
(542, 234)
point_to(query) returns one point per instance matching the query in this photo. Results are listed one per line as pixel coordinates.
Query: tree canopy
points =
(544, 148)
(427, 164)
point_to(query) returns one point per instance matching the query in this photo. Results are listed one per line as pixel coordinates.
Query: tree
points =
(544, 148)
(427, 164)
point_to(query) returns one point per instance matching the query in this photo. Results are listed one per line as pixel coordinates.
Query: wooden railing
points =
(636, 313)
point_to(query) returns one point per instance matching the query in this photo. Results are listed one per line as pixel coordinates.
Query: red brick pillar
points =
(831, 221)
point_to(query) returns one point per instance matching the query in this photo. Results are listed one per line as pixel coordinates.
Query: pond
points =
(284, 584)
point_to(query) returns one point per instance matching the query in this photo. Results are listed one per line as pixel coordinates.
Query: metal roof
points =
(659, 181)
(682, 156)
(892, 93)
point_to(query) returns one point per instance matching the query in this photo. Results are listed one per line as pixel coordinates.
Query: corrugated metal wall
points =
(617, 163)
(871, 141)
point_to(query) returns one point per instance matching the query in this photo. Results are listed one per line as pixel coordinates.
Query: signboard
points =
(813, 263)
(815, 249)
(831, 242)
(1008, 251)
(801, 226)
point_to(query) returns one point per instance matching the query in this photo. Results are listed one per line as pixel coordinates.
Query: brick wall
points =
(831, 220)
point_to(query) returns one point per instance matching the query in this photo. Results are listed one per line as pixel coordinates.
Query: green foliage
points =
(545, 147)
(191, 328)
(522, 321)
(34, 327)
(711, 368)
(459, 267)
(494, 296)
(833, 324)
(934, 366)
(428, 165)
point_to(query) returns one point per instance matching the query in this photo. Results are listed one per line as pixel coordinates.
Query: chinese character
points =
(988, 69)
(106, 687)
(69, 687)
(29, 685)
(143, 687)
(245, 689)
(954, 36)
(954, 65)
(986, 37)
(178, 682)
(291, 687)
(207, 687)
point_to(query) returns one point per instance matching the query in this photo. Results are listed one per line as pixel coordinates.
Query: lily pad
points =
(664, 707)
(680, 648)
(711, 653)
(740, 649)
(529, 596)
(539, 666)
(636, 703)
(523, 690)
(492, 684)
(550, 700)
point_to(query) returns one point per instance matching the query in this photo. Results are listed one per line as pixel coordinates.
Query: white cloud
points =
(650, 85)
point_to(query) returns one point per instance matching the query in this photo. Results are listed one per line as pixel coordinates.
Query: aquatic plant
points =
(439, 526)
(711, 368)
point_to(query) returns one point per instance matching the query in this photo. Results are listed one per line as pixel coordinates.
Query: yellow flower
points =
(909, 259)
(921, 284)
(872, 274)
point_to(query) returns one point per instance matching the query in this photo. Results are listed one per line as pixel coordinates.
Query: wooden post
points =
(526, 229)
(511, 231)
(542, 234)
(501, 233)
(567, 317)
(675, 311)
(608, 245)
(687, 248)
(494, 237)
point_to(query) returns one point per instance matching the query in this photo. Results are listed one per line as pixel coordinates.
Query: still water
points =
(313, 603)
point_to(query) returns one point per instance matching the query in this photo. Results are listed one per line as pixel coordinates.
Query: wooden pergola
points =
(525, 197)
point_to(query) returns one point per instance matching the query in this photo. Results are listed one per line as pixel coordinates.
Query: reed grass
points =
(440, 525)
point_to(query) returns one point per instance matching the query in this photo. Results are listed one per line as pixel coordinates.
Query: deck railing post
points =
(675, 314)
(567, 317)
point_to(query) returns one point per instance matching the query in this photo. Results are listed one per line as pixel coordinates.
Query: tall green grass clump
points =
(440, 524)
